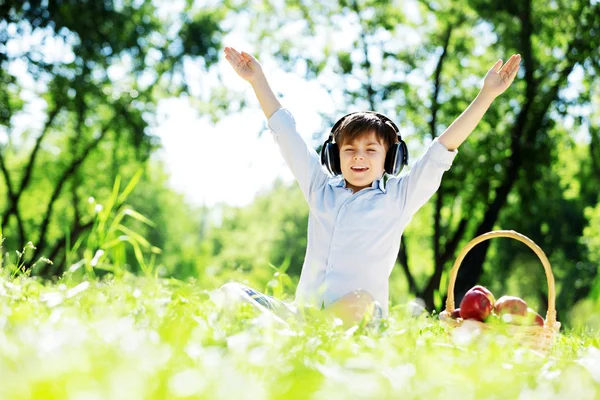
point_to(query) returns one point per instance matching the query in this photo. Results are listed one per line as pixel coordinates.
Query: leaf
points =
(105, 213)
(345, 62)
(136, 215)
(130, 186)
(140, 257)
(134, 235)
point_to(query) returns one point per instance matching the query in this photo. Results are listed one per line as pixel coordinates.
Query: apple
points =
(455, 314)
(476, 305)
(536, 319)
(514, 319)
(510, 305)
(486, 291)
(530, 318)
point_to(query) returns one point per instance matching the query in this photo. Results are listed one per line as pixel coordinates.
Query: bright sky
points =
(229, 162)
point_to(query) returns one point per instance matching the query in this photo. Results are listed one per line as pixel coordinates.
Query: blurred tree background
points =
(97, 70)
(532, 165)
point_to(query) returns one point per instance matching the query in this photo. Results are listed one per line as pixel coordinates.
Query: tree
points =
(98, 96)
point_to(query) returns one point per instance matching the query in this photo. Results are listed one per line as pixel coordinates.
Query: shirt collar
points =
(339, 181)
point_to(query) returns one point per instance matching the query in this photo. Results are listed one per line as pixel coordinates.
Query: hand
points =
(246, 66)
(500, 77)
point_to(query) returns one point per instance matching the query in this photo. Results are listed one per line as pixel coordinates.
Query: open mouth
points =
(359, 169)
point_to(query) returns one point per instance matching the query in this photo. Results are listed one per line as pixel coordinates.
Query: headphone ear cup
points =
(396, 158)
(331, 158)
(390, 158)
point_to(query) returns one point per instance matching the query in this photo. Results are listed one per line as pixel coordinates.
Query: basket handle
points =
(551, 313)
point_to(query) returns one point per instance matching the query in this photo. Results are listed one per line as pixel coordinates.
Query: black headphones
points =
(395, 159)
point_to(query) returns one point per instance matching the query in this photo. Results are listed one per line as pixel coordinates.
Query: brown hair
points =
(362, 123)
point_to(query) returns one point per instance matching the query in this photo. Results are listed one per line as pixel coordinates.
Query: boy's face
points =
(366, 151)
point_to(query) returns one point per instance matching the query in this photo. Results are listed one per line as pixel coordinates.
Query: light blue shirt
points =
(353, 238)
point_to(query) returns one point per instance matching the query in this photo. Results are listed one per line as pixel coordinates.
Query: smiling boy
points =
(359, 207)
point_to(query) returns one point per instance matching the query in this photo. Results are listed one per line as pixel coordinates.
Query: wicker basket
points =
(537, 337)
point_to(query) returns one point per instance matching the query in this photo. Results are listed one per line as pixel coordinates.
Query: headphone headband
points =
(381, 116)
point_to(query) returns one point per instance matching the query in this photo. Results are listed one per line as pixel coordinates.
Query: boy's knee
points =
(359, 300)
(353, 307)
(362, 297)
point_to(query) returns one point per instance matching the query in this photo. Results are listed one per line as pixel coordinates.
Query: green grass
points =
(146, 338)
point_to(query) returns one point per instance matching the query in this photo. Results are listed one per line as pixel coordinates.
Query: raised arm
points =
(302, 160)
(249, 69)
(497, 80)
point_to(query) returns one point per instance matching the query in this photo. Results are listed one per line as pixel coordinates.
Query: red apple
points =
(510, 305)
(455, 314)
(475, 305)
(485, 291)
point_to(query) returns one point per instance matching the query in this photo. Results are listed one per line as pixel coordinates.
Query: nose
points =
(358, 155)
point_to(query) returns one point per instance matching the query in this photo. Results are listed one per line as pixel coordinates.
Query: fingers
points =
(233, 56)
(515, 65)
(512, 65)
(514, 73)
(248, 57)
(511, 68)
(237, 56)
(496, 67)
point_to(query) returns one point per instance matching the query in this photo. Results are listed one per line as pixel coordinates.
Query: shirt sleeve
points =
(424, 178)
(303, 161)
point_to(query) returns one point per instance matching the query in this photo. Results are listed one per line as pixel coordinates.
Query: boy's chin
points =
(364, 180)
(363, 183)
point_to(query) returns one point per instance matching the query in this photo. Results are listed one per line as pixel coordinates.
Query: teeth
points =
(359, 167)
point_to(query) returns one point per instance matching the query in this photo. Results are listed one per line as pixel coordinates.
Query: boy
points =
(358, 215)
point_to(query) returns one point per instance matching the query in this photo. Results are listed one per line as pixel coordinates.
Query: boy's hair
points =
(361, 123)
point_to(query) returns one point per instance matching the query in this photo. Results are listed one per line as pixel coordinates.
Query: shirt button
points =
(335, 247)
(339, 225)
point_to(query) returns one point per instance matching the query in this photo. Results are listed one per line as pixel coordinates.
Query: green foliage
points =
(345, 62)
(591, 239)
(178, 230)
(10, 101)
(100, 95)
(103, 249)
(202, 35)
(272, 231)
(108, 239)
